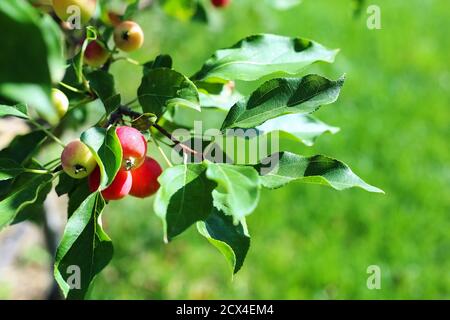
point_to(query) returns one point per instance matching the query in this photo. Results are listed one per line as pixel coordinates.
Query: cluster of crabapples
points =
(138, 175)
(128, 35)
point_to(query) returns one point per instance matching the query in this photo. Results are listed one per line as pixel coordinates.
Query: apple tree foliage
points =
(213, 196)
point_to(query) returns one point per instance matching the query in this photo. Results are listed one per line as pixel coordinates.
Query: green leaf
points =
(27, 62)
(102, 83)
(9, 169)
(281, 168)
(19, 111)
(261, 55)
(77, 195)
(131, 10)
(211, 96)
(33, 212)
(163, 88)
(23, 147)
(282, 96)
(104, 249)
(54, 39)
(233, 241)
(238, 189)
(184, 198)
(21, 195)
(112, 104)
(161, 61)
(91, 35)
(84, 247)
(201, 15)
(298, 127)
(223, 102)
(20, 150)
(66, 184)
(105, 146)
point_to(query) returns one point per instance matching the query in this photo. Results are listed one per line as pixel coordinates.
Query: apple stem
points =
(176, 142)
(131, 102)
(126, 111)
(52, 163)
(161, 151)
(48, 133)
(36, 171)
(132, 61)
(129, 60)
(81, 103)
(69, 87)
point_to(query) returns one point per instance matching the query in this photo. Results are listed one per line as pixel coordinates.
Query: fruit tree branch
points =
(125, 111)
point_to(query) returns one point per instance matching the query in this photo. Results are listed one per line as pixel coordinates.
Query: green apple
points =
(60, 102)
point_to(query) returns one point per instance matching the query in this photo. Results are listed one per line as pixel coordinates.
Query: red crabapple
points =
(145, 179)
(118, 189)
(134, 147)
(96, 54)
(220, 3)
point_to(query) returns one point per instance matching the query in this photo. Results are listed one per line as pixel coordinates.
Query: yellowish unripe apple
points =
(77, 160)
(64, 9)
(128, 36)
(60, 102)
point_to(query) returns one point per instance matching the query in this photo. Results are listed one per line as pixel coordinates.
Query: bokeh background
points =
(310, 242)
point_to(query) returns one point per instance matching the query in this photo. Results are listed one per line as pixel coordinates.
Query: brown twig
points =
(176, 142)
(125, 111)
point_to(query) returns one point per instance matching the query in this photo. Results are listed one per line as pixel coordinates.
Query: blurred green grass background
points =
(309, 241)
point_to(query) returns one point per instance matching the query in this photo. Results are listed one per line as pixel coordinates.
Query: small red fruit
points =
(145, 179)
(96, 54)
(220, 3)
(119, 189)
(134, 147)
